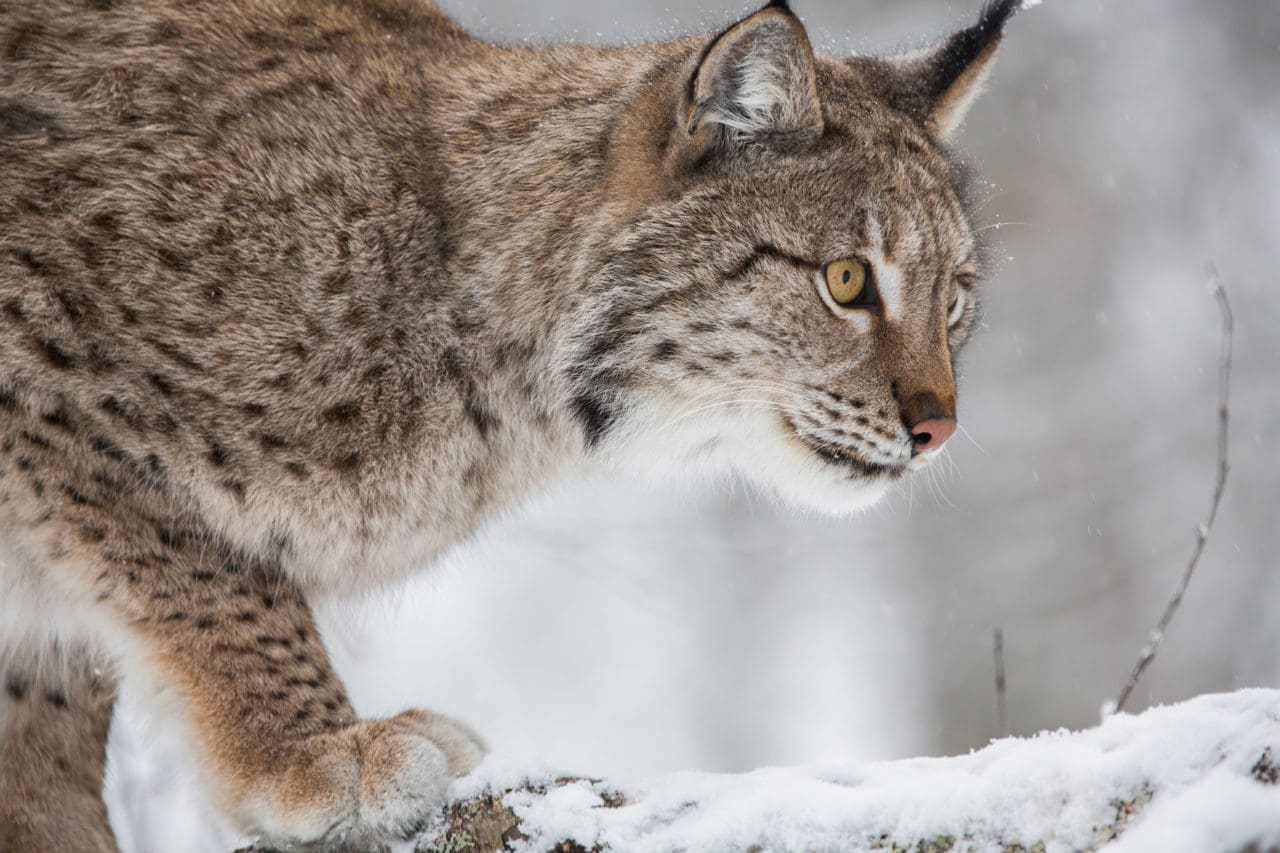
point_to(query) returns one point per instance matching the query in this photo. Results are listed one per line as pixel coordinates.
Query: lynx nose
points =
(930, 422)
(931, 434)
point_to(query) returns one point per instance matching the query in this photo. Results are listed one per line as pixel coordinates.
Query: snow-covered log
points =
(1199, 776)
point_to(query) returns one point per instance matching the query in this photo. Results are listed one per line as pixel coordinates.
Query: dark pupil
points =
(847, 275)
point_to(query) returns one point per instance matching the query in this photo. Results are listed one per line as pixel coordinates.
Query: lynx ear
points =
(755, 83)
(942, 82)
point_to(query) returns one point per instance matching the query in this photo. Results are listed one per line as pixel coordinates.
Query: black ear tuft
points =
(961, 50)
(938, 85)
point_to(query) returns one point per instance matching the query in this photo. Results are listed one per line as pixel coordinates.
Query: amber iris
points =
(846, 280)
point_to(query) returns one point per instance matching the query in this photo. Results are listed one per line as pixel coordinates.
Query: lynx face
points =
(790, 298)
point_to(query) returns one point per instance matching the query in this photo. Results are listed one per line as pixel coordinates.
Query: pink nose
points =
(932, 434)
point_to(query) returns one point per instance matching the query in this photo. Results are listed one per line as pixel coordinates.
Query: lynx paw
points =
(368, 784)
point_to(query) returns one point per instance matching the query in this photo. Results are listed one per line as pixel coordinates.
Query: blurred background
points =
(610, 630)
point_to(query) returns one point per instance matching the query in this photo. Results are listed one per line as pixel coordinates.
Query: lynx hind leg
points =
(275, 732)
(53, 734)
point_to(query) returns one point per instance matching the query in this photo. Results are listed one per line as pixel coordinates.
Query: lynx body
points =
(294, 294)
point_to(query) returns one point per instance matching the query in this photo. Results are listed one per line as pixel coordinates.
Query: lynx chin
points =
(294, 294)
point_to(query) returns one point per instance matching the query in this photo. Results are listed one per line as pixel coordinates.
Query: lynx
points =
(294, 294)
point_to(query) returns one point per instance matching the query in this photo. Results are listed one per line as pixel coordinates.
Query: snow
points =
(1173, 778)
(1222, 812)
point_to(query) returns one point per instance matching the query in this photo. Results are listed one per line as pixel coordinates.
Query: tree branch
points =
(1058, 790)
(1149, 651)
(1002, 706)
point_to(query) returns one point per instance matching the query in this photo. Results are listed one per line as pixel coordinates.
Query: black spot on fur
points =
(452, 364)
(105, 221)
(9, 401)
(75, 307)
(56, 357)
(237, 488)
(166, 423)
(161, 384)
(20, 120)
(176, 354)
(105, 448)
(204, 623)
(33, 264)
(78, 497)
(58, 418)
(297, 469)
(342, 413)
(98, 359)
(481, 418)
(56, 698)
(271, 441)
(595, 416)
(218, 455)
(665, 350)
(349, 463)
(35, 439)
(170, 538)
(21, 39)
(16, 688)
(112, 406)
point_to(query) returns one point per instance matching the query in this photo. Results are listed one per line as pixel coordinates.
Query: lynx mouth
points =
(845, 457)
(849, 458)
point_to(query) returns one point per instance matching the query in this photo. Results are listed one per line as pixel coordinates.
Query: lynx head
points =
(791, 271)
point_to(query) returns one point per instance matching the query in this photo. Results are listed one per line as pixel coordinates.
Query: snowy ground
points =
(1197, 776)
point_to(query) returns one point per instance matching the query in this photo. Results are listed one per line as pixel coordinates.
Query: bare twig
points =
(1002, 706)
(1148, 653)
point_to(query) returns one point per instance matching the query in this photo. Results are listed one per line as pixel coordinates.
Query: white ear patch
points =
(757, 80)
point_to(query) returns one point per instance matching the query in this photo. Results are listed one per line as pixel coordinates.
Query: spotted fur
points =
(294, 294)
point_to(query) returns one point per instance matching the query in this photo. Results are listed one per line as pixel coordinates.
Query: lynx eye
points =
(848, 282)
(955, 303)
